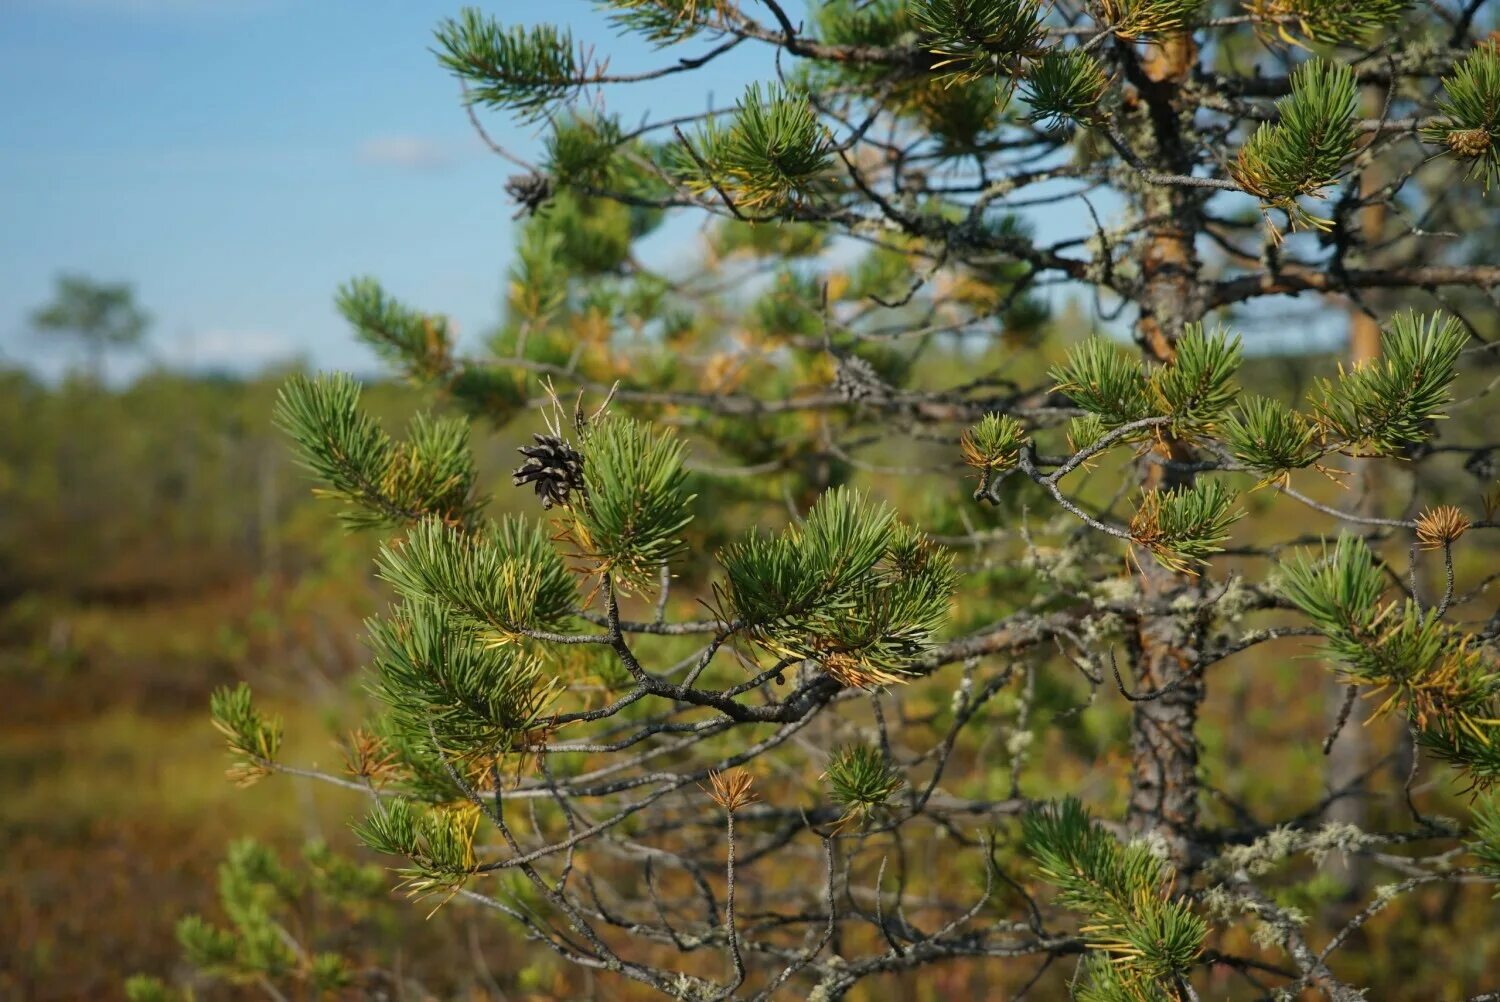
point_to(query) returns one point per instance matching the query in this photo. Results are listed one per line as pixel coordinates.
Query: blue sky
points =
(237, 159)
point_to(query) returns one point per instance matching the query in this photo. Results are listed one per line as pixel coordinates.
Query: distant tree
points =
(853, 758)
(99, 315)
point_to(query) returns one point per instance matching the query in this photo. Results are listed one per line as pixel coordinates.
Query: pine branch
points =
(1327, 21)
(384, 483)
(1104, 381)
(1436, 676)
(1132, 19)
(1471, 111)
(636, 506)
(977, 38)
(416, 342)
(526, 70)
(1064, 87)
(1270, 437)
(850, 588)
(1197, 386)
(442, 681)
(1305, 151)
(1144, 936)
(508, 578)
(1379, 408)
(254, 739)
(1182, 528)
(770, 153)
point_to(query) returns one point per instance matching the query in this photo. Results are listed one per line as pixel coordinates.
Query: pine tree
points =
(704, 699)
(100, 316)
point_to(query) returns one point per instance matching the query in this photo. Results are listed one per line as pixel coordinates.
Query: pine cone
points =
(1470, 142)
(532, 191)
(856, 379)
(553, 466)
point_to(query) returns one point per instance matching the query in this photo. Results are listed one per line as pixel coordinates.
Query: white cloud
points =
(406, 152)
(233, 348)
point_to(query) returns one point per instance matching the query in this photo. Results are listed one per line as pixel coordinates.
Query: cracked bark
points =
(1163, 743)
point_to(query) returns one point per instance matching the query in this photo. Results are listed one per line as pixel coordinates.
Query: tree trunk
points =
(1349, 754)
(1164, 744)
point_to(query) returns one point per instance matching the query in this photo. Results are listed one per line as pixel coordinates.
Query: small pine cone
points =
(856, 379)
(553, 466)
(1470, 142)
(532, 191)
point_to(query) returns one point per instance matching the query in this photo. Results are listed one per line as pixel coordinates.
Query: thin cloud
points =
(405, 152)
(234, 348)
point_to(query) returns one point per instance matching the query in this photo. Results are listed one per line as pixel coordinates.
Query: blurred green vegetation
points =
(155, 542)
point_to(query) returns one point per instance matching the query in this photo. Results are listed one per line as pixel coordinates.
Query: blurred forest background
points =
(156, 541)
